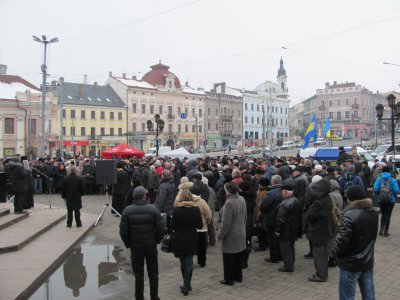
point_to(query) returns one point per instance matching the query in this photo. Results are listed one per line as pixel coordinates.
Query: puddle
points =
(88, 273)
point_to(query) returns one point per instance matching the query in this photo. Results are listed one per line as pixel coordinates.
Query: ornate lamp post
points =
(159, 127)
(395, 115)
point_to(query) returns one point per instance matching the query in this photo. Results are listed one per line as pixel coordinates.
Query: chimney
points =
(134, 77)
(109, 74)
(335, 83)
(95, 83)
(187, 83)
(223, 85)
(3, 69)
(81, 90)
(124, 75)
(326, 84)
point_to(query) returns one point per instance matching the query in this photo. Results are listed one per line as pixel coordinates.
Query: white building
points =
(270, 100)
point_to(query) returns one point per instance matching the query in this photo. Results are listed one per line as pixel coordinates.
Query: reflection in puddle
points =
(85, 274)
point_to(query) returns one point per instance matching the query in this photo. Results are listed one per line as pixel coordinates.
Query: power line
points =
(131, 23)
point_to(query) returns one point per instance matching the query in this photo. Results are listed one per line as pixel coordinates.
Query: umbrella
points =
(122, 151)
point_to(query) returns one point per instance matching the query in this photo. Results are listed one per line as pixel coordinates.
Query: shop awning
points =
(76, 143)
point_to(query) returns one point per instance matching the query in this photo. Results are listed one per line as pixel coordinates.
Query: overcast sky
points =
(208, 41)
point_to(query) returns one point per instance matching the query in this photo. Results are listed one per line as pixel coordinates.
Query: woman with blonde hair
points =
(186, 218)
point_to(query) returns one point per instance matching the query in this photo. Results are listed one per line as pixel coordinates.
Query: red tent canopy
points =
(122, 151)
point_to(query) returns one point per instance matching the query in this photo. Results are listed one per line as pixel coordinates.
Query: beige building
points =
(160, 92)
(297, 123)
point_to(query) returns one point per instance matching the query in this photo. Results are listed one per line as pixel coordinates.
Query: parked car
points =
(288, 145)
(274, 148)
(347, 137)
(336, 138)
(320, 141)
(252, 150)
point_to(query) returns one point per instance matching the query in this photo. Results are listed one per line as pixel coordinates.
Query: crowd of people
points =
(262, 204)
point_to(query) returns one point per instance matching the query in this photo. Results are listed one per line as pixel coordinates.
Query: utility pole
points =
(197, 132)
(30, 125)
(263, 130)
(60, 96)
(269, 111)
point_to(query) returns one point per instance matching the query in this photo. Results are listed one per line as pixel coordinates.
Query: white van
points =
(288, 145)
(161, 150)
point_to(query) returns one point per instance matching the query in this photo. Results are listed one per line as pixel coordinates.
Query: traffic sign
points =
(183, 116)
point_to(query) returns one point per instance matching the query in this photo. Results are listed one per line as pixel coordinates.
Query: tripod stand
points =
(50, 185)
(105, 205)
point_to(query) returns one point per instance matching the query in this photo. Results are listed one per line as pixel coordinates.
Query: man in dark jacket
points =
(287, 221)
(203, 188)
(354, 248)
(166, 195)
(17, 175)
(318, 220)
(141, 229)
(119, 189)
(72, 190)
(301, 186)
(192, 169)
(269, 208)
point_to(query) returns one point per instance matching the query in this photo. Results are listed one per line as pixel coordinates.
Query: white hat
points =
(316, 178)
(318, 168)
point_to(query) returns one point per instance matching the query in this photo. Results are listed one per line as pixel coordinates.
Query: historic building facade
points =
(350, 107)
(160, 92)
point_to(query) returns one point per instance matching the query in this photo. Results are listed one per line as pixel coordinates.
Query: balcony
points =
(225, 132)
(322, 107)
(355, 106)
(170, 116)
(226, 118)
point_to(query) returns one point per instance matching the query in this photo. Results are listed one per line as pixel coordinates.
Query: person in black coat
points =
(72, 191)
(269, 207)
(318, 219)
(141, 229)
(166, 195)
(186, 217)
(75, 272)
(119, 190)
(287, 222)
(18, 175)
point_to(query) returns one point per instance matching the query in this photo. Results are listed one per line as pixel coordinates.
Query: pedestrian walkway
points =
(261, 280)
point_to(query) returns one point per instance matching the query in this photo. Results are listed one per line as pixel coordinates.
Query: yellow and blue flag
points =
(327, 132)
(311, 133)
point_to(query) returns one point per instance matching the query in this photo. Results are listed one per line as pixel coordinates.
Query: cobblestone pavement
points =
(261, 280)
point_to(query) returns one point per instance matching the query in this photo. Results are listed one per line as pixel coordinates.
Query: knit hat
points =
(316, 178)
(157, 163)
(355, 192)
(184, 179)
(351, 169)
(244, 186)
(263, 181)
(318, 168)
(198, 176)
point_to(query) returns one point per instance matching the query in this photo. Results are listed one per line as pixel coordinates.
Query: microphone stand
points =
(50, 181)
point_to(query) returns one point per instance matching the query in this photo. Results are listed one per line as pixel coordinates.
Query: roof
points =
(157, 75)
(135, 83)
(17, 79)
(9, 90)
(91, 95)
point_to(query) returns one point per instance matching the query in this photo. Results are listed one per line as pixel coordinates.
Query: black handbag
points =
(166, 243)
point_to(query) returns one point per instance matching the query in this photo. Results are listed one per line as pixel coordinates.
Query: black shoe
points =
(283, 269)
(239, 280)
(332, 262)
(386, 234)
(308, 255)
(69, 225)
(273, 261)
(226, 282)
(316, 278)
(79, 225)
(381, 232)
(202, 265)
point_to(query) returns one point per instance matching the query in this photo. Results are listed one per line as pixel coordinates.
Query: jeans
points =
(37, 183)
(186, 261)
(348, 283)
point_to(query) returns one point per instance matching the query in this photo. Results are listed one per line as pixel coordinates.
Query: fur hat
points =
(355, 192)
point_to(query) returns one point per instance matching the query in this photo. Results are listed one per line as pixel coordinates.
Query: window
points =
(285, 111)
(193, 112)
(209, 126)
(64, 113)
(102, 131)
(134, 127)
(245, 106)
(216, 111)
(169, 127)
(93, 114)
(83, 131)
(281, 110)
(331, 115)
(32, 129)
(119, 131)
(143, 127)
(209, 111)
(347, 101)
(102, 115)
(281, 122)
(186, 110)
(111, 131)
(179, 110)
(338, 103)
(216, 126)
(160, 109)
(258, 107)
(193, 128)
(120, 116)
(83, 114)
(151, 108)
(252, 120)
(200, 113)
(252, 107)
(200, 128)
(64, 131)
(186, 128)
(355, 100)
(256, 135)
(245, 119)
(339, 115)
(72, 113)
(111, 115)
(9, 126)
(72, 130)
(134, 108)
(92, 132)
(143, 108)
(330, 102)
(258, 120)
(179, 128)
(169, 111)
(355, 114)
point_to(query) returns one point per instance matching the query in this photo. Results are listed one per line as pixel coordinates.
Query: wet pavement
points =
(100, 268)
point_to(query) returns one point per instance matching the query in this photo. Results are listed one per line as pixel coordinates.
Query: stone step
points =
(4, 211)
(11, 219)
(40, 220)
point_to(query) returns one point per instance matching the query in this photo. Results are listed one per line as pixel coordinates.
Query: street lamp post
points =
(395, 115)
(45, 42)
(159, 127)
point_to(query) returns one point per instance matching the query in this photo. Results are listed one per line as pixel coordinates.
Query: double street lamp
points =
(156, 129)
(395, 115)
(45, 42)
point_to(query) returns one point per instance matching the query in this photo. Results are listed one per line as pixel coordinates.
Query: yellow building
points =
(93, 118)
